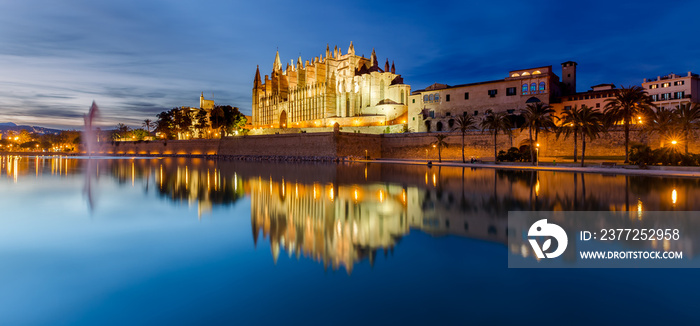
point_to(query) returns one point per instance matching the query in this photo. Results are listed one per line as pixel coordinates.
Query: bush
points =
(515, 154)
(642, 155)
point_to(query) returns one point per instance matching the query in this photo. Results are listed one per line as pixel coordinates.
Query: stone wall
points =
(401, 146)
(162, 147)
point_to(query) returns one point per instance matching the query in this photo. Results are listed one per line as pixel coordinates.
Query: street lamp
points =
(537, 149)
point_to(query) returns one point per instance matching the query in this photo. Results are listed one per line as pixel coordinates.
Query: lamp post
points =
(537, 149)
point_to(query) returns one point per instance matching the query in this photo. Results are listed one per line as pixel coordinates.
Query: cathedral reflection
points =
(340, 215)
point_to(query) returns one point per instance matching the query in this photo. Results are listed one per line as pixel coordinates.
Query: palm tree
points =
(147, 124)
(687, 118)
(538, 117)
(627, 104)
(591, 122)
(464, 123)
(496, 122)
(571, 124)
(661, 122)
(440, 143)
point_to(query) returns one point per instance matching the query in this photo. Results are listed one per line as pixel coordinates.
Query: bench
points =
(608, 164)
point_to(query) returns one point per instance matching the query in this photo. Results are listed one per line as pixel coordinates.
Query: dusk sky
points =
(136, 58)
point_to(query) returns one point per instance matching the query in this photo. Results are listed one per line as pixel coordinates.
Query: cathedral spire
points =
(386, 65)
(328, 51)
(256, 83)
(373, 59)
(335, 52)
(351, 49)
(278, 63)
(393, 69)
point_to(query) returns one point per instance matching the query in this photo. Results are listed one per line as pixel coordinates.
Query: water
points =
(192, 241)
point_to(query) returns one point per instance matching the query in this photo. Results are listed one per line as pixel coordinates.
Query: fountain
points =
(90, 144)
(89, 135)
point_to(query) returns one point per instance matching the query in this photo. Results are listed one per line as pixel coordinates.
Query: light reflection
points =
(674, 196)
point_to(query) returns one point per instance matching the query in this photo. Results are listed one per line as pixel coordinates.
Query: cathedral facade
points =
(343, 89)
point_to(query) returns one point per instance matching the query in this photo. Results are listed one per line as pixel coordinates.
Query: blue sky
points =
(136, 58)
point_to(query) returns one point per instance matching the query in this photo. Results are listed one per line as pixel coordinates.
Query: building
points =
(436, 107)
(344, 89)
(205, 104)
(672, 90)
(594, 98)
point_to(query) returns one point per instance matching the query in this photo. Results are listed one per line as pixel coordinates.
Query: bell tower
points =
(568, 77)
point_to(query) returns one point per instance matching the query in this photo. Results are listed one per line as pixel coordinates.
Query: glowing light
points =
(674, 142)
(537, 188)
(331, 193)
(538, 144)
(434, 180)
(674, 196)
(356, 195)
(639, 209)
(381, 196)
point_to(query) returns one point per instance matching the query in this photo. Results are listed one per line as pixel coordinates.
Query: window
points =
(492, 92)
(448, 114)
(510, 91)
(524, 89)
(414, 101)
(586, 97)
(567, 108)
(466, 95)
(654, 86)
(515, 75)
(533, 88)
(489, 111)
(432, 114)
(451, 123)
(447, 98)
(655, 97)
(414, 118)
(510, 111)
(536, 72)
(464, 113)
(665, 85)
(679, 95)
(526, 74)
(678, 83)
(425, 98)
(476, 113)
(597, 105)
(542, 87)
(430, 98)
(437, 97)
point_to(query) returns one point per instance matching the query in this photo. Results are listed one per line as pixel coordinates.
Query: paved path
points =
(693, 172)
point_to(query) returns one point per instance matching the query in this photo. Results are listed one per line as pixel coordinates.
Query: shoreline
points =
(661, 171)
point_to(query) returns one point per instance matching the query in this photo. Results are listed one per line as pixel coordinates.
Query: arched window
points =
(533, 88)
(524, 89)
(425, 98)
(451, 123)
(526, 74)
(430, 98)
(536, 72)
(541, 86)
(515, 75)
(437, 97)
(438, 127)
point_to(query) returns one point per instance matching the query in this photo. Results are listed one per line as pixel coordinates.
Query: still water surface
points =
(193, 241)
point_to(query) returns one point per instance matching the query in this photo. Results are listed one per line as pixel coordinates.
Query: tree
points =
(570, 125)
(147, 124)
(495, 123)
(591, 124)
(165, 124)
(182, 120)
(440, 143)
(464, 123)
(120, 132)
(628, 103)
(140, 134)
(201, 122)
(661, 122)
(687, 118)
(538, 117)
